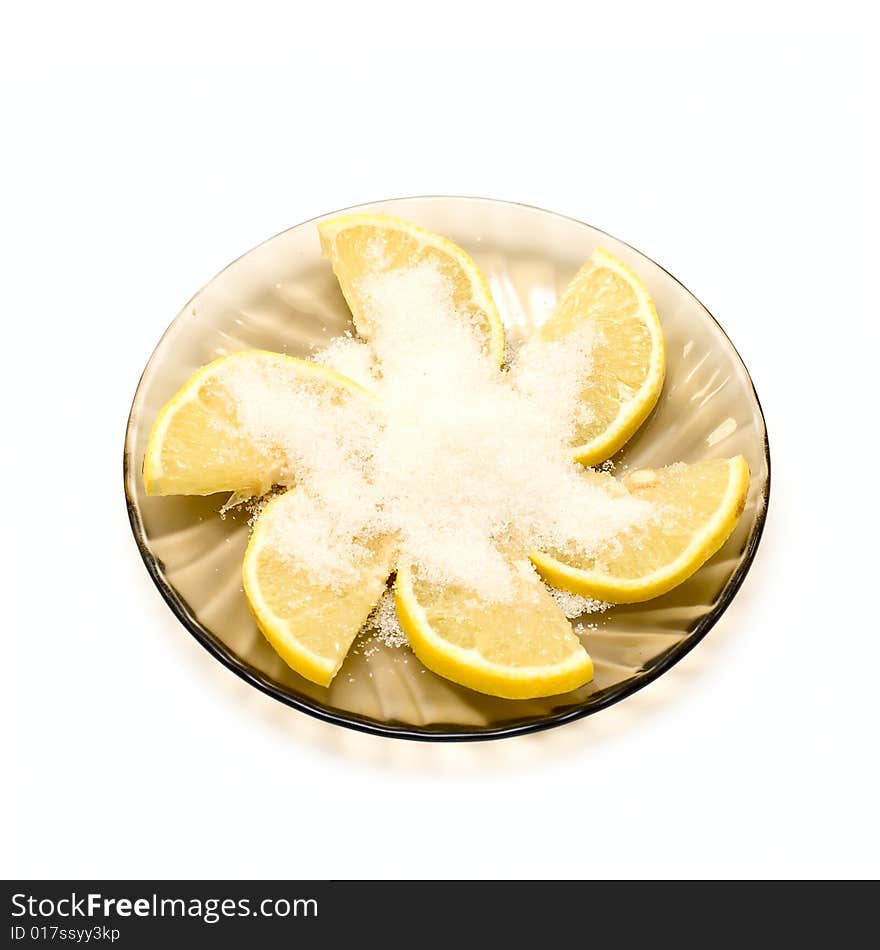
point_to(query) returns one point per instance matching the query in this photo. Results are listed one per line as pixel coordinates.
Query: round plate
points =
(283, 296)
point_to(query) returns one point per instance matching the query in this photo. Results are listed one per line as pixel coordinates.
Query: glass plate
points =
(283, 296)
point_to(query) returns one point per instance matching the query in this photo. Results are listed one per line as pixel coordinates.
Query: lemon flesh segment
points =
(522, 649)
(310, 622)
(628, 357)
(198, 447)
(696, 507)
(361, 245)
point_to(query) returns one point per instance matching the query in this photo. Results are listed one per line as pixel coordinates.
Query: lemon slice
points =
(628, 357)
(695, 509)
(310, 621)
(198, 445)
(518, 650)
(362, 245)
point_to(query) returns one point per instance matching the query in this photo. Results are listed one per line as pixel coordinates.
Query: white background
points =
(143, 151)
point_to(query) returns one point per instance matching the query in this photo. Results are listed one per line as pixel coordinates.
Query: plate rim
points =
(442, 732)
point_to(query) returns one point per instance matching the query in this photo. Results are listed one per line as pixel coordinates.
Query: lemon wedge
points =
(362, 245)
(695, 509)
(198, 446)
(517, 650)
(628, 357)
(310, 621)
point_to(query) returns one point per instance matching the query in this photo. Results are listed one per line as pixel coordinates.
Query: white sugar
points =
(467, 467)
(253, 506)
(353, 358)
(552, 376)
(575, 605)
(312, 535)
(383, 622)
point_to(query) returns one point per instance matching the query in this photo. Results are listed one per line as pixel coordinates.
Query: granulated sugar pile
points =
(467, 467)
(576, 605)
(383, 623)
